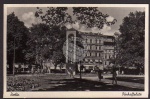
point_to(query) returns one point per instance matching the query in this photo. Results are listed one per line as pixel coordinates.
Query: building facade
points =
(99, 49)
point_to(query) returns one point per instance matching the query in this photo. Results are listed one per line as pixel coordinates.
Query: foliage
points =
(22, 83)
(45, 42)
(39, 44)
(58, 57)
(131, 40)
(16, 39)
(91, 17)
(54, 16)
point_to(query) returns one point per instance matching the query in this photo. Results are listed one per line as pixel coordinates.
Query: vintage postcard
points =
(76, 51)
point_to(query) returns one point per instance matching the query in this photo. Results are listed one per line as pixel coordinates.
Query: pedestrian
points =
(114, 76)
(140, 71)
(99, 72)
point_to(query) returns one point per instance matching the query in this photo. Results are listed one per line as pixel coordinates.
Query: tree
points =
(132, 39)
(58, 58)
(44, 41)
(54, 16)
(91, 17)
(39, 43)
(16, 40)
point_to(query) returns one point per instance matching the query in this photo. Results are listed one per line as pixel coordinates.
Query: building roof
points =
(96, 34)
(71, 29)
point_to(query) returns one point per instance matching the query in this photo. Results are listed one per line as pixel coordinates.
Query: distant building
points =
(108, 49)
(100, 48)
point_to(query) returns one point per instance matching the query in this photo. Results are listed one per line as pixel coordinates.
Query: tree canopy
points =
(46, 44)
(89, 16)
(17, 36)
(131, 40)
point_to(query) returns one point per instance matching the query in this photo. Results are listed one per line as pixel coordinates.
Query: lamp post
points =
(80, 69)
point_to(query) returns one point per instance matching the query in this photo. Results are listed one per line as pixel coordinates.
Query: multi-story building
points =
(99, 49)
(108, 45)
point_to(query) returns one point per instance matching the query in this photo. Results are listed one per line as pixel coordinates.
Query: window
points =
(93, 54)
(107, 56)
(88, 54)
(90, 40)
(97, 47)
(88, 47)
(97, 41)
(107, 63)
(93, 47)
(93, 40)
(97, 54)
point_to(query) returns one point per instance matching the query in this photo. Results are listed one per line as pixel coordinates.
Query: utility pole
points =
(80, 71)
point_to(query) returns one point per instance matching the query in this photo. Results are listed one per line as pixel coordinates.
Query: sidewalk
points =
(109, 76)
(121, 83)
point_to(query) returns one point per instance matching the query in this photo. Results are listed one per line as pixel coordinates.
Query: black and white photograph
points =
(76, 50)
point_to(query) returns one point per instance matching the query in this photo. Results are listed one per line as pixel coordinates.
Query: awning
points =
(86, 60)
(96, 60)
(16, 66)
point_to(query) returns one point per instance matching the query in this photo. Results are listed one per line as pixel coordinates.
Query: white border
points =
(78, 94)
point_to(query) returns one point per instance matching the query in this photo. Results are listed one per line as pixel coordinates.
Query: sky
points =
(26, 14)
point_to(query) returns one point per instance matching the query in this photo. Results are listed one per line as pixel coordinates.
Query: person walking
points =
(114, 76)
(99, 74)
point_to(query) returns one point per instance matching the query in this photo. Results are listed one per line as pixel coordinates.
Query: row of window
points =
(93, 47)
(108, 51)
(93, 54)
(108, 56)
(93, 41)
